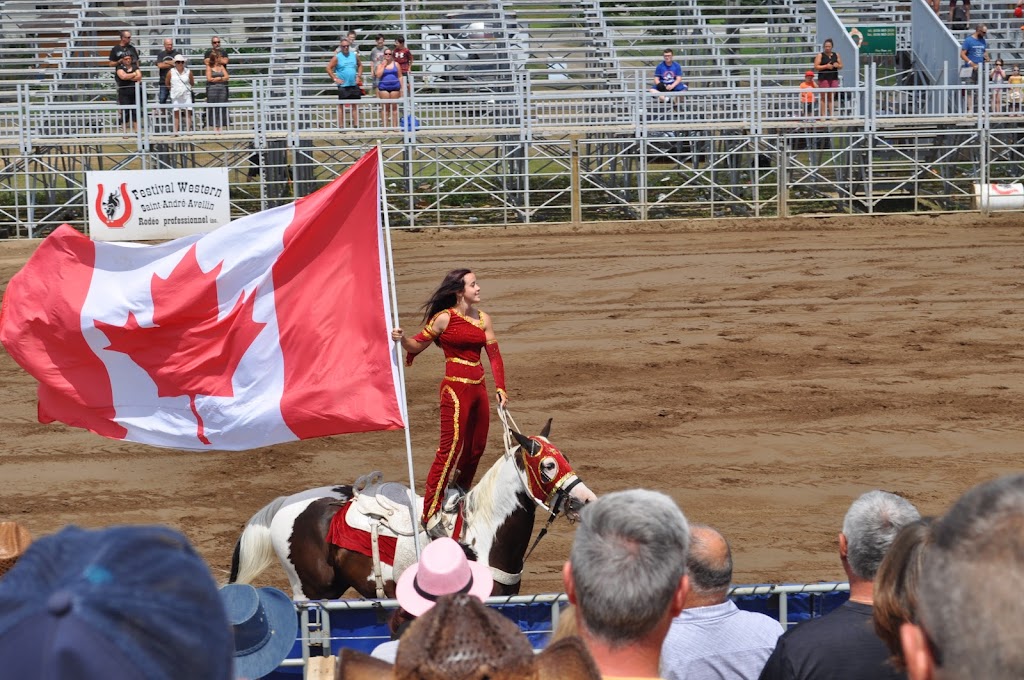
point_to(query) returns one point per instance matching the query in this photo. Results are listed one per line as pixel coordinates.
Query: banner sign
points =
(153, 205)
(875, 39)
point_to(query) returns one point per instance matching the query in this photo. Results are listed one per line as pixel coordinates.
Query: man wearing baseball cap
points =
(807, 95)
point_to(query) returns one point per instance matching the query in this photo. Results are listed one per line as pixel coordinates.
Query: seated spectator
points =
(127, 602)
(264, 623)
(443, 569)
(14, 540)
(842, 645)
(712, 637)
(462, 638)
(626, 575)
(970, 608)
(668, 76)
(896, 586)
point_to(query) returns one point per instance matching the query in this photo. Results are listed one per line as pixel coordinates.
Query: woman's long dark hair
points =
(445, 295)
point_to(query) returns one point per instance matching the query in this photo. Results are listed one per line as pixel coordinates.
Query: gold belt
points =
(469, 381)
(464, 362)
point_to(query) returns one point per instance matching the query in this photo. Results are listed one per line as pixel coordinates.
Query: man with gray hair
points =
(712, 638)
(843, 645)
(626, 575)
(970, 613)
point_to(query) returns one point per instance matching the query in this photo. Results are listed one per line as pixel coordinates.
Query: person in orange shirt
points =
(454, 323)
(807, 95)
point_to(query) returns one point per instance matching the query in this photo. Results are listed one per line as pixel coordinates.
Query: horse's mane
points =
(497, 492)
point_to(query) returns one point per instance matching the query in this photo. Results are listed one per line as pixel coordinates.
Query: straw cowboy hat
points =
(264, 622)
(442, 570)
(14, 539)
(460, 638)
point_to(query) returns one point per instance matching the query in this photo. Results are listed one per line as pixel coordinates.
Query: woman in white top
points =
(180, 82)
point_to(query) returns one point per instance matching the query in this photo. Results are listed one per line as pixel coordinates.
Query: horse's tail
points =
(254, 551)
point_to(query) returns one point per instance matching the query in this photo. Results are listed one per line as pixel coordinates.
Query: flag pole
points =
(398, 348)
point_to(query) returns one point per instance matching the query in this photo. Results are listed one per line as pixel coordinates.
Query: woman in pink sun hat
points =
(443, 569)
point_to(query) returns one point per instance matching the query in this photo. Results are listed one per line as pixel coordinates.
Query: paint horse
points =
(498, 517)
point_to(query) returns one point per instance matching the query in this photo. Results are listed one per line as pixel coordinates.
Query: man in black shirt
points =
(215, 45)
(164, 63)
(122, 48)
(843, 645)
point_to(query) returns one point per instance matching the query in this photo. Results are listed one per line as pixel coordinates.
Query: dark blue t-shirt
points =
(668, 74)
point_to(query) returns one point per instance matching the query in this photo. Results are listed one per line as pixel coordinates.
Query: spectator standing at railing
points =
(164, 64)
(828, 64)
(180, 82)
(217, 90)
(1016, 95)
(973, 53)
(712, 639)
(389, 78)
(807, 95)
(403, 57)
(842, 645)
(346, 71)
(215, 44)
(668, 75)
(127, 75)
(122, 48)
(376, 58)
(997, 76)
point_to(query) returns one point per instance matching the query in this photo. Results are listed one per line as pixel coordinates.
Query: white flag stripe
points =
(248, 248)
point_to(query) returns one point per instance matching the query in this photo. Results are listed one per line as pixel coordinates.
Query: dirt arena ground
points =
(762, 373)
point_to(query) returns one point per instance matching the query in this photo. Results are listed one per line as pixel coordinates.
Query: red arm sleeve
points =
(497, 365)
(425, 335)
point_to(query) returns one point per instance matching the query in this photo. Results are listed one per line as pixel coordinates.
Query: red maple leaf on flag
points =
(190, 349)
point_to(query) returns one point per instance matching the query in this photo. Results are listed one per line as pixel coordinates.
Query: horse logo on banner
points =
(107, 209)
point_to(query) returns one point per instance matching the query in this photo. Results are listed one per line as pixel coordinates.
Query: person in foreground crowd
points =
(443, 569)
(842, 645)
(263, 624)
(127, 602)
(626, 575)
(712, 638)
(456, 324)
(970, 610)
(14, 541)
(460, 638)
(896, 586)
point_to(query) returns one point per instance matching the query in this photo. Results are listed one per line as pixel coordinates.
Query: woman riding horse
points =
(454, 323)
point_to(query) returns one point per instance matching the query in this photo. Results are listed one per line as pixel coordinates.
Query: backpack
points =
(959, 18)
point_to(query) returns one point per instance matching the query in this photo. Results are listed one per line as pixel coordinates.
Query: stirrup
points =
(434, 526)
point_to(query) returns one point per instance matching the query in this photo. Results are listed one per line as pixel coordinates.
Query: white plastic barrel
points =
(999, 196)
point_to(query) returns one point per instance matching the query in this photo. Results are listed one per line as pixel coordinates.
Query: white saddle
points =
(388, 504)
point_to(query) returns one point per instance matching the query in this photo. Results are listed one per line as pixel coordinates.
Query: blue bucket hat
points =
(265, 624)
(124, 602)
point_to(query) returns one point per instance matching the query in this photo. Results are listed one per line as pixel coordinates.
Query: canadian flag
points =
(272, 328)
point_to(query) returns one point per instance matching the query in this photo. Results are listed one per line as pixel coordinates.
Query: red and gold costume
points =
(465, 410)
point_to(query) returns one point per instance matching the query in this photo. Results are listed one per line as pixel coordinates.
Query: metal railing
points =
(529, 157)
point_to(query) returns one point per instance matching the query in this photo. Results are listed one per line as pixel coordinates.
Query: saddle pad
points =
(356, 540)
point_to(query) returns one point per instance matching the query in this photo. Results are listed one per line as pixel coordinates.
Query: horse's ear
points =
(547, 429)
(528, 444)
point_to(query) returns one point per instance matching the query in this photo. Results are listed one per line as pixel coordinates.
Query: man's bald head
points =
(709, 564)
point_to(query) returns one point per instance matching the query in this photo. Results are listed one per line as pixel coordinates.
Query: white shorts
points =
(182, 102)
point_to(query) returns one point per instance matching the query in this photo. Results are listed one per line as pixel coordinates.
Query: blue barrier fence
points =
(328, 626)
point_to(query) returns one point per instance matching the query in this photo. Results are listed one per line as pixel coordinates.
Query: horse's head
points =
(549, 477)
